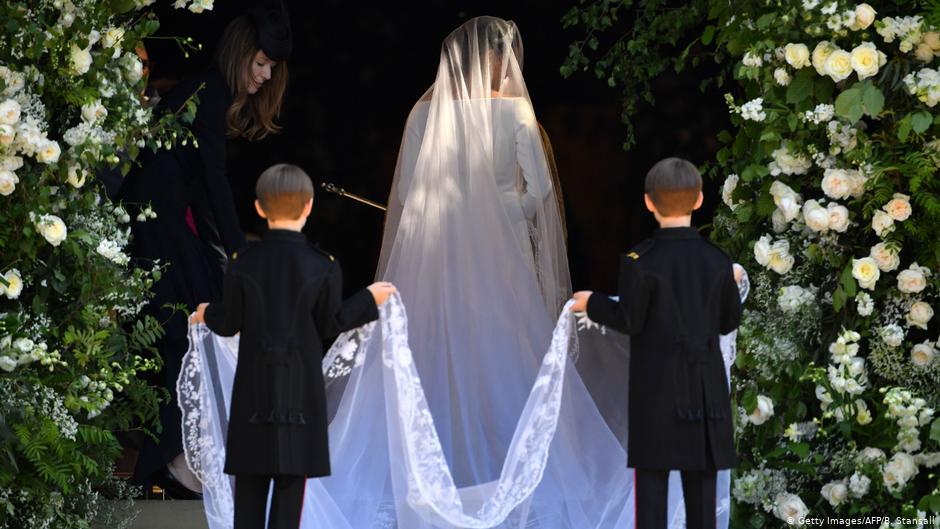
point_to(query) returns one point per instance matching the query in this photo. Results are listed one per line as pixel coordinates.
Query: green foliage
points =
(808, 334)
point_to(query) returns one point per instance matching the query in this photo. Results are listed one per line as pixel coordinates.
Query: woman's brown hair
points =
(249, 116)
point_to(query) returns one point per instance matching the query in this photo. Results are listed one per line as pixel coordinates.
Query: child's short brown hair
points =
(673, 185)
(283, 191)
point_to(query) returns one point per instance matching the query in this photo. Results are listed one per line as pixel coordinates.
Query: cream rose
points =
(786, 199)
(778, 221)
(866, 271)
(762, 412)
(839, 65)
(80, 60)
(888, 260)
(864, 17)
(913, 280)
(49, 152)
(11, 163)
(94, 111)
(837, 184)
(821, 55)
(76, 176)
(932, 39)
(922, 354)
(838, 217)
(919, 314)
(899, 207)
(790, 508)
(7, 134)
(815, 216)
(9, 112)
(781, 77)
(835, 493)
(924, 53)
(865, 60)
(882, 223)
(14, 283)
(797, 55)
(858, 180)
(8, 181)
(52, 228)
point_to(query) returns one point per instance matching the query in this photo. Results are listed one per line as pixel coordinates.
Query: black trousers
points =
(652, 490)
(251, 501)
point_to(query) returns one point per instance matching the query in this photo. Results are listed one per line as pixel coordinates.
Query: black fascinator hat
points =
(273, 26)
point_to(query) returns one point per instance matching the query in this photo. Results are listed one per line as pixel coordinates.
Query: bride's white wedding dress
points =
(467, 412)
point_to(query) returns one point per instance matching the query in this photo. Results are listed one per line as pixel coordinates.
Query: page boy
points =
(677, 295)
(284, 297)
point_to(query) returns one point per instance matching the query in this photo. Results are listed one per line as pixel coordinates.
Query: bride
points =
(456, 417)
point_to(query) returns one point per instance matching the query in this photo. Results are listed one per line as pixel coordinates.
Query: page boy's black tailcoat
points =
(677, 295)
(285, 297)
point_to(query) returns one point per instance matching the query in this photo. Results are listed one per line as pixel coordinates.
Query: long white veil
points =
(467, 412)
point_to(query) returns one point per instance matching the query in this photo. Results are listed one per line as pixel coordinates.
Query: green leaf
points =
(848, 281)
(749, 401)
(708, 35)
(935, 432)
(800, 449)
(904, 128)
(873, 101)
(800, 88)
(921, 121)
(849, 105)
(838, 299)
(765, 205)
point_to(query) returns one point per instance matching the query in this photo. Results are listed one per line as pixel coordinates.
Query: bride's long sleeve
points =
(531, 159)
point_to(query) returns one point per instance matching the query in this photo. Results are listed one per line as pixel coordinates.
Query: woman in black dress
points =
(196, 229)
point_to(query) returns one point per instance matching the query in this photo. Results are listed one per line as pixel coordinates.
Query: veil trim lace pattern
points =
(432, 491)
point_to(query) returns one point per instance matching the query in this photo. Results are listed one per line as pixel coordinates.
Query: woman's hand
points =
(200, 315)
(580, 301)
(381, 290)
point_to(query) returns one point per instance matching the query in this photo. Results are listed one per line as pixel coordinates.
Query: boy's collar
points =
(285, 235)
(684, 232)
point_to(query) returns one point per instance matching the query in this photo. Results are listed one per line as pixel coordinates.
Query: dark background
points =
(358, 68)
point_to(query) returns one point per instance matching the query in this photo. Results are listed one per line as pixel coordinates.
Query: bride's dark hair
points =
(249, 116)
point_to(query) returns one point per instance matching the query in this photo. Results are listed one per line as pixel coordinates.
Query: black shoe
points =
(172, 487)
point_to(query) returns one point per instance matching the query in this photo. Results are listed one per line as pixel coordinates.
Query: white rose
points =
(864, 17)
(133, 69)
(8, 181)
(11, 163)
(872, 454)
(838, 217)
(899, 207)
(786, 199)
(779, 221)
(9, 112)
(76, 176)
(835, 493)
(112, 39)
(919, 314)
(763, 411)
(821, 55)
(839, 65)
(14, 283)
(922, 354)
(94, 111)
(786, 162)
(52, 228)
(780, 259)
(797, 55)
(762, 250)
(893, 335)
(912, 280)
(80, 60)
(859, 484)
(887, 259)
(815, 216)
(866, 271)
(865, 60)
(727, 190)
(882, 223)
(905, 464)
(7, 134)
(781, 77)
(858, 180)
(837, 184)
(790, 508)
(49, 152)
